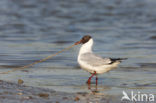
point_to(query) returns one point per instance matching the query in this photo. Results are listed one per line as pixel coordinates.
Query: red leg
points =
(88, 81)
(96, 80)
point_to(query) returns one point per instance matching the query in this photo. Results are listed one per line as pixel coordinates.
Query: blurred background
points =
(33, 29)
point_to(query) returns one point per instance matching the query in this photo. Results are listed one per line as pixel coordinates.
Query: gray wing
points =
(95, 60)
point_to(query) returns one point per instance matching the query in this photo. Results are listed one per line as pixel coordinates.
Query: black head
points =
(85, 39)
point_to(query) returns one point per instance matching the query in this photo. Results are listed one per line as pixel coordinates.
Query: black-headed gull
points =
(93, 63)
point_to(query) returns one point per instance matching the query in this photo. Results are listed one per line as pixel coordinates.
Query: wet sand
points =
(17, 93)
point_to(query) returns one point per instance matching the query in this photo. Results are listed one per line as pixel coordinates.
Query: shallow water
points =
(33, 29)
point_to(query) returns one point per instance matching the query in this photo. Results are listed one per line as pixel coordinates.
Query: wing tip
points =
(117, 59)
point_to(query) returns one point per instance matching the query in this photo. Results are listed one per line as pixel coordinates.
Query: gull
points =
(93, 63)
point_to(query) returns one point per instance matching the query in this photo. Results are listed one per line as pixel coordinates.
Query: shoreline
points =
(17, 93)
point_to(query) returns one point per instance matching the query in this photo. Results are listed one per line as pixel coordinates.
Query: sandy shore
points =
(17, 93)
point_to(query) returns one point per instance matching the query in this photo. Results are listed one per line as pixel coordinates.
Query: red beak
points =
(78, 42)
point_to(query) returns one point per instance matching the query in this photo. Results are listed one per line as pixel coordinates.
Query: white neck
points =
(87, 47)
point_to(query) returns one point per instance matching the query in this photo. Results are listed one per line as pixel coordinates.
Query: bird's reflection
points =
(97, 89)
(93, 88)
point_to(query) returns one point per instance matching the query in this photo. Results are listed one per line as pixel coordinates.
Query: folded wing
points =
(95, 60)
